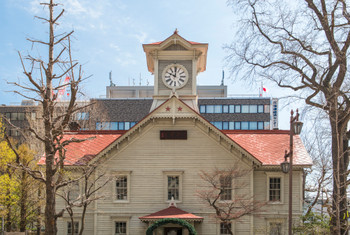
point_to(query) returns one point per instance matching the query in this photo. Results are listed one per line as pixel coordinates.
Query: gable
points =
(175, 47)
(176, 115)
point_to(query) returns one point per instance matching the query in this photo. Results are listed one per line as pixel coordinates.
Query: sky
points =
(108, 36)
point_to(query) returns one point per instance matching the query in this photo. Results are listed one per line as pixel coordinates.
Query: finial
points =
(176, 31)
(297, 115)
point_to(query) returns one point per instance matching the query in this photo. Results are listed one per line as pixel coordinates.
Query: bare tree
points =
(91, 183)
(218, 195)
(319, 176)
(302, 45)
(42, 85)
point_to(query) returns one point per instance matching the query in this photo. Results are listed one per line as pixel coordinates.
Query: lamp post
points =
(295, 129)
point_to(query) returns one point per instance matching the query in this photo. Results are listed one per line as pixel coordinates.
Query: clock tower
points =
(175, 64)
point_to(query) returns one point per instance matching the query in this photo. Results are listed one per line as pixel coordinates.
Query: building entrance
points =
(172, 231)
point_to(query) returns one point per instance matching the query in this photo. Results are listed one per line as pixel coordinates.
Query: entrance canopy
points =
(172, 212)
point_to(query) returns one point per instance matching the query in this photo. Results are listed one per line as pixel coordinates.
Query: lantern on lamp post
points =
(295, 129)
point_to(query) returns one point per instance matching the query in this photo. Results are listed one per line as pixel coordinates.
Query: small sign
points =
(173, 135)
(274, 114)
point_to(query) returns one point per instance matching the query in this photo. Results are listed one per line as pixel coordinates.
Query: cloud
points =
(141, 37)
(114, 46)
(125, 59)
(87, 9)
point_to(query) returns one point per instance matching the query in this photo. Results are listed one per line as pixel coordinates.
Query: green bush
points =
(181, 222)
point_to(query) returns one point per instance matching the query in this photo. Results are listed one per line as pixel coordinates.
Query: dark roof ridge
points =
(255, 131)
(94, 132)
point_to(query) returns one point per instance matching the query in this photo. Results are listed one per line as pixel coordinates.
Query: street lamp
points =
(295, 129)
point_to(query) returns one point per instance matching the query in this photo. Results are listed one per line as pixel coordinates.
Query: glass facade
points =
(242, 125)
(114, 125)
(237, 108)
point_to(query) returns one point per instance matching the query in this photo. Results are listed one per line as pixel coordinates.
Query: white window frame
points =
(126, 174)
(75, 188)
(172, 173)
(231, 189)
(218, 229)
(121, 220)
(274, 175)
(281, 221)
(75, 221)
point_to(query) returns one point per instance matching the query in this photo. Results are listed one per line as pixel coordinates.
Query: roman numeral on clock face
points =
(175, 75)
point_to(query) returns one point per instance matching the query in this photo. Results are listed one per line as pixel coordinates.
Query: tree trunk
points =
(83, 220)
(8, 223)
(38, 220)
(23, 204)
(340, 164)
(50, 207)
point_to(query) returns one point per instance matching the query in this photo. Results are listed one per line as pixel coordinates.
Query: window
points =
(210, 109)
(225, 126)
(274, 189)
(225, 228)
(218, 125)
(15, 116)
(244, 125)
(275, 228)
(237, 125)
(266, 125)
(202, 108)
(173, 187)
(217, 109)
(225, 108)
(14, 132)
(103, 125)
(74, 191)
(231, 125)
(231, 108)
(237, 108)
(114, 126)
(121, 186)
(33, 116)
(260, 125)
(266, 108)
(260, 108)
(253, 108)
(253, 125)
(82, 116)
(120, 228)
(245, 108)
(226, 186)
(70, 228)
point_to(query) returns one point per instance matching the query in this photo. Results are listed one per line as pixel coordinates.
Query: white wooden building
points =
(157, 162)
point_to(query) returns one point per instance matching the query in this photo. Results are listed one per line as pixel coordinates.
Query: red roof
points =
(193, 43)
(269, 146)
(173, 213)
(80, 153)
(175, 33)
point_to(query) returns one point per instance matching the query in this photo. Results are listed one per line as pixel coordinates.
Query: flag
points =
(262, 89)
(62, 90)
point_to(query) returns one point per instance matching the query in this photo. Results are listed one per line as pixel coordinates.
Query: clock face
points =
(175, 76)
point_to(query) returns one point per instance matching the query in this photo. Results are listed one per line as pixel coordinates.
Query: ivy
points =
(181, 222)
